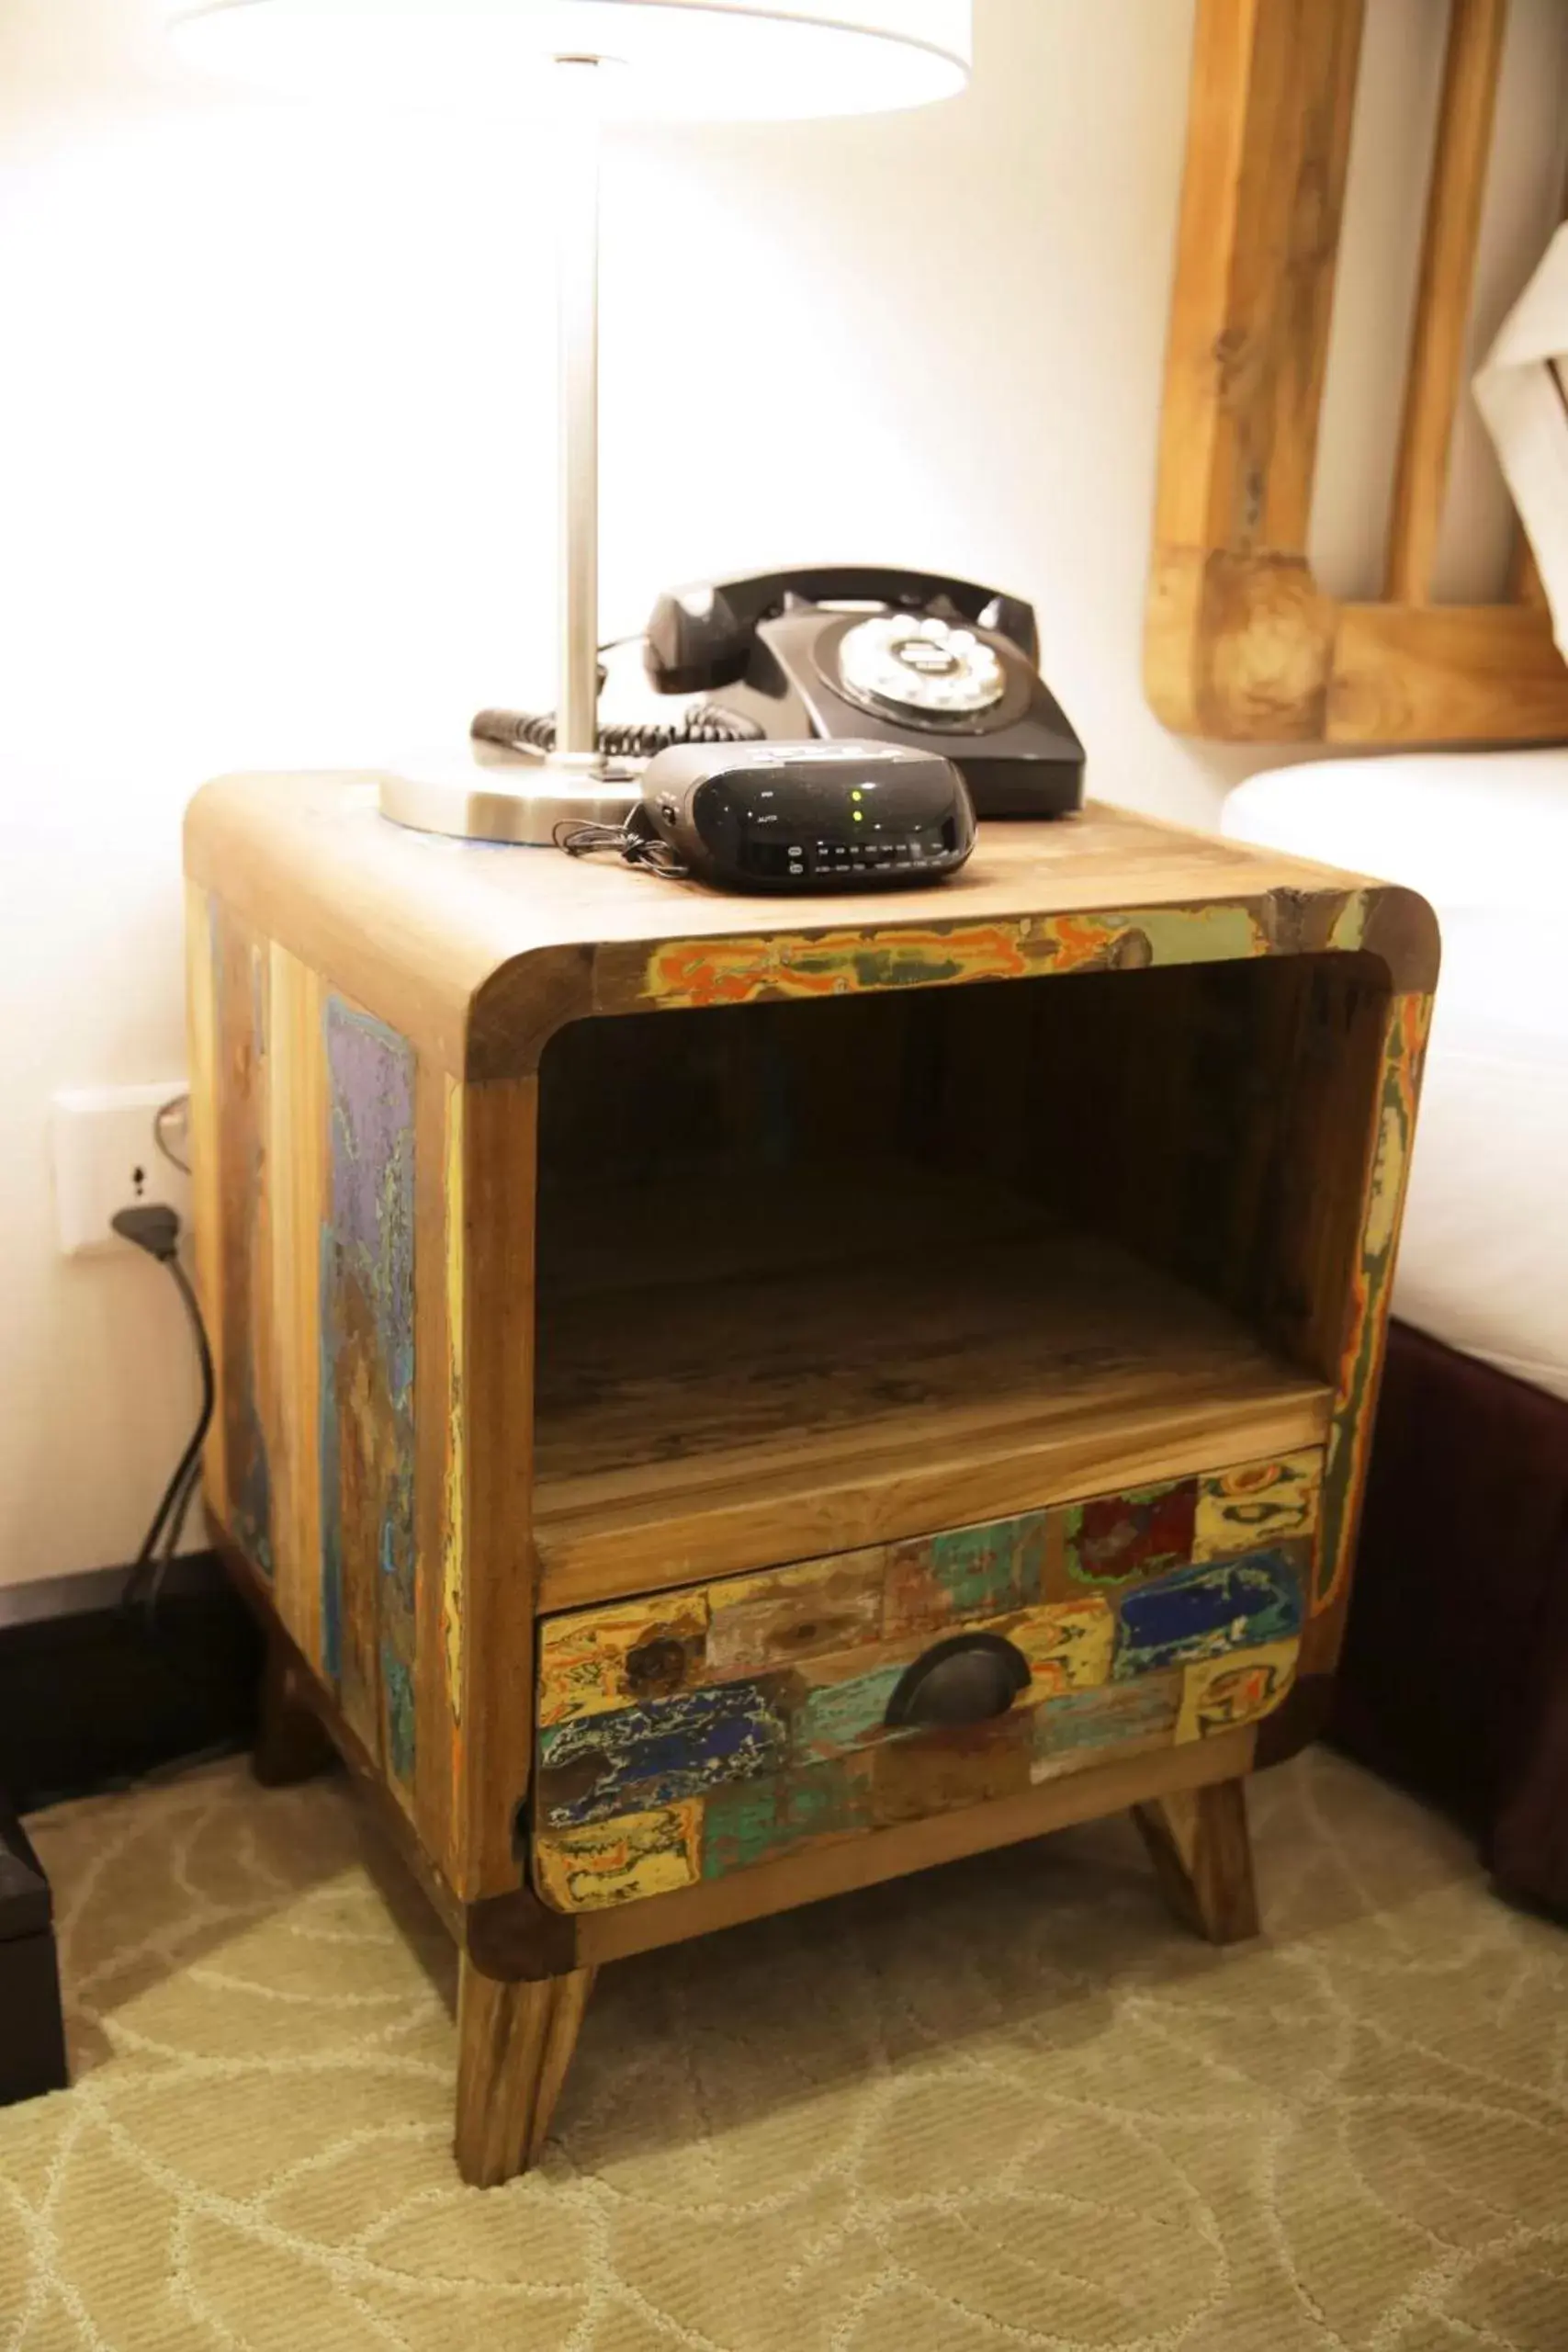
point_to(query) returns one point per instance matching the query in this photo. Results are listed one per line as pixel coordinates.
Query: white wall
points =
(277, 489)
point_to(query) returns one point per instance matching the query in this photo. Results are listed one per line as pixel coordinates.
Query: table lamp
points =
(587, 61)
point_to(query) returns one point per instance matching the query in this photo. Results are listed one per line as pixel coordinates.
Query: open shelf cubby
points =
(818, 1275)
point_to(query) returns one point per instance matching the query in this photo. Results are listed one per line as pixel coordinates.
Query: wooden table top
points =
(479, 951)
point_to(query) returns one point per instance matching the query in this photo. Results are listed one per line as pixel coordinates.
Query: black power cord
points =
(156, 1230)
(703, 722)
(632, 841)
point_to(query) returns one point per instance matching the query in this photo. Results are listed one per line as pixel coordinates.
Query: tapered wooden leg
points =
(290, 1744)
(1201, 1852)
(514, 2045)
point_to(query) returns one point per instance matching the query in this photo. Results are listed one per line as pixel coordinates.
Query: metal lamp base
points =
(521, 801)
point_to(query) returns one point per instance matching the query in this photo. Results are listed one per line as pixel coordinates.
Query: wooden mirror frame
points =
(1241, 642)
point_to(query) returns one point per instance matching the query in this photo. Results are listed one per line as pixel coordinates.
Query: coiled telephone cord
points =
(704, 722)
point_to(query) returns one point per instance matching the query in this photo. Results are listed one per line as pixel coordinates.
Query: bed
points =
(1484, 1263)
(1455, 1672)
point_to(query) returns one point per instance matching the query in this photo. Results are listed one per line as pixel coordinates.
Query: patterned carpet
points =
(1008, 2105)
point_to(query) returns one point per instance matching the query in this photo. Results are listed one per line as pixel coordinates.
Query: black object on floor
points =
(32, 2030)
(95, 1702)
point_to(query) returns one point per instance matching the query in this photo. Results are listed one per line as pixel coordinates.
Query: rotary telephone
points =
(865, 652)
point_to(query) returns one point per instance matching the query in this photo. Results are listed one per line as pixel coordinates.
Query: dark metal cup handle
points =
(966, 1680)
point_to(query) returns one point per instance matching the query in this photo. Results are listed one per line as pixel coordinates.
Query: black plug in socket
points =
(155, 1228)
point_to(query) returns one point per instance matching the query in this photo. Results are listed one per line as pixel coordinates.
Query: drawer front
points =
(702, 1731)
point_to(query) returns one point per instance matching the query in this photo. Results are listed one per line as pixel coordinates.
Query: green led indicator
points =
(860, 816)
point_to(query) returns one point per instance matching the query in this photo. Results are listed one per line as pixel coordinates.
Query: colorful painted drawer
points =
(730, 1723)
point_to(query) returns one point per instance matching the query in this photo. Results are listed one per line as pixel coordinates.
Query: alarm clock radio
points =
(809, 816)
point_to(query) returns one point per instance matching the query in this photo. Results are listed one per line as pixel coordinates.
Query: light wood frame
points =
(1241, 642)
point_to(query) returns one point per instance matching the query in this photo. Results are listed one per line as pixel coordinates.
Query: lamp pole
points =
(577, 265)
(570, 784)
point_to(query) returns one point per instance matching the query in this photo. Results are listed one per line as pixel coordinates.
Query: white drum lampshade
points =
(730, 59)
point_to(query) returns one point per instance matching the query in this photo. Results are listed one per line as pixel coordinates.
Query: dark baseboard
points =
(91, 1701)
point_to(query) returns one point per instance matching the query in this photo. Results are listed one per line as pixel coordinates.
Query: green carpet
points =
(1003, 2106)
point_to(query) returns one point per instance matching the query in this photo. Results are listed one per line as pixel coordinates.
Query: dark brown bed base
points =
(1454, 1678)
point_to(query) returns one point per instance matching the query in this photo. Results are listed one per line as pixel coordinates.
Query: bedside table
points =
(723, 1401)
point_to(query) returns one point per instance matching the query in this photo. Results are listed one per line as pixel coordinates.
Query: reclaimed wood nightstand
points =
(724, 1401)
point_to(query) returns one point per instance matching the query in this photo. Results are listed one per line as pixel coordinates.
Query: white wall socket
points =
(107, 1158)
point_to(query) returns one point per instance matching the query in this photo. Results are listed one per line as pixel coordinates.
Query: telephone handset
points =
(702, 637)
(869, 652)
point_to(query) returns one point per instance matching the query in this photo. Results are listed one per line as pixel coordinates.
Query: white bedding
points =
(1483, 1264)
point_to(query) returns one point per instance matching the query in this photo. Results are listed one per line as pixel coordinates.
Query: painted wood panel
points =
(844, 1703)
(1201, 1611)
(1344, 1469)
(240, 978)
(1263, 1502)
(296, 1179)
(1220, 1694)
(369, 1594)
(1115, 1538)
(1067, 1646)
(681, 973)
(304, 1118)
(603, 1658)
(439, 1499)
(496, 1749)
(757, 1821)
(206, 1149)
(756, 1622)
(941, 1771)
(1076, 1730)
(967, 1572)
(621, 1861)
(702, 1731)
(640, 1759)
(454, 1500)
